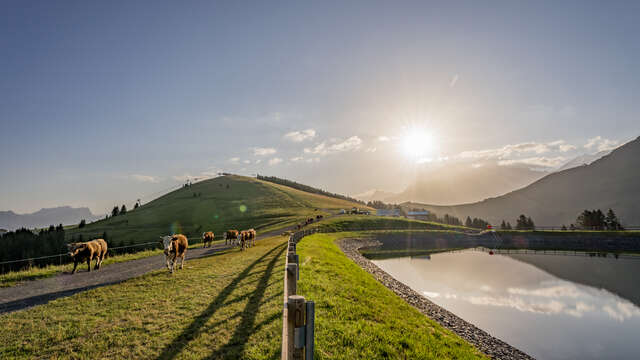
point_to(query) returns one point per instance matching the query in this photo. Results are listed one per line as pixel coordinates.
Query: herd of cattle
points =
(175, 246)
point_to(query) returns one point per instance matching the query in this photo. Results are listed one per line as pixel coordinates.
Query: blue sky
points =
(106, 102)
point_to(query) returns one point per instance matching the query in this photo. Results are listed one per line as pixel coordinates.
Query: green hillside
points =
(213, 205)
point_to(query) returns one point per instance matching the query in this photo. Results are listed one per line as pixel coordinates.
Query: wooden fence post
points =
(292, 269)
(296, 334)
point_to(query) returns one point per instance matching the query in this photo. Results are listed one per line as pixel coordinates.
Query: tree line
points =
(306, 188)
(24, 243)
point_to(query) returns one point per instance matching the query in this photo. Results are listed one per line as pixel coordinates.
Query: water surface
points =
(549, 306)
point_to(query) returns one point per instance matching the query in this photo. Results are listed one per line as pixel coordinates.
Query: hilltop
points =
(556, 199)
(213, 205)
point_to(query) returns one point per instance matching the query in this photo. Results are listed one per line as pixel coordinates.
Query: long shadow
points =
(20, 304)
(247, 326)
(196, 326)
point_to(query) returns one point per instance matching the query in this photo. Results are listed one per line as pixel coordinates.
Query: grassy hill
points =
(213, 205)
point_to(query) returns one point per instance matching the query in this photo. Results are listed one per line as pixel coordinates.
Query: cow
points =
(319, 217)
(175, 246)
(231, 237)
(94, 249)
(252, 236)
(244, 237)
(207, 237)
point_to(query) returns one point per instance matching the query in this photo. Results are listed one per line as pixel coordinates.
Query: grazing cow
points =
(319, 217)
(94, 249)
(231, 237)
(207, 237)
(175, 246)
(252, 236)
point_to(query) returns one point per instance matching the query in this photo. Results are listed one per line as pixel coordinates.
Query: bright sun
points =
(418, 145)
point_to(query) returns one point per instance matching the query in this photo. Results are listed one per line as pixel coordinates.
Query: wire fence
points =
(64, 258)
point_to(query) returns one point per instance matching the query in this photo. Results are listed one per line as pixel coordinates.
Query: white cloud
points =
(184, 177)
(335, 146)
(274, 161)
(383, 138)
(300, 136)
(297, 158)
(516, 149)
(541, 161)
(258, 161)
(263, 151)
(234, 160)
(145, 178)
(601, 144)
(371, 149)
(310, 160)
(246, 161)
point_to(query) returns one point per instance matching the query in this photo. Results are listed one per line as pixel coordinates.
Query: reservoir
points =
(551, 306)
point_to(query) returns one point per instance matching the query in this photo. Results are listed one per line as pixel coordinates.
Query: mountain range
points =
(612, 181)
(65, 215)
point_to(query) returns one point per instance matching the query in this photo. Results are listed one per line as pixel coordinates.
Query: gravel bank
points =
(489, 345)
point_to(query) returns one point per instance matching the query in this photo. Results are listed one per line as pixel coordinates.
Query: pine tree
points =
(564, 228)
(123, 210)
(115, 211)
(468, 222)
(611, 221)
(503, 226)
(82, 224)
(509, 227)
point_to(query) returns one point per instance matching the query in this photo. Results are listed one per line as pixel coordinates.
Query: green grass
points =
(247, 203)
(372, 222)
(224, 306)
(359, 318)
(13, 278)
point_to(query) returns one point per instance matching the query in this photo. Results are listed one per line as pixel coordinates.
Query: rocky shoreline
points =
(495, 348)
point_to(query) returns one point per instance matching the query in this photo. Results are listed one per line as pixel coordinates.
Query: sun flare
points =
(418, 145)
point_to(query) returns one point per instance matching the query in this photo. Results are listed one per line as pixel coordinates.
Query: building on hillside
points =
(388, 212)
(418, 215)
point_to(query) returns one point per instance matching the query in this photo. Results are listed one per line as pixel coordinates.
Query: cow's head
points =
(76, 248)
(167, 243)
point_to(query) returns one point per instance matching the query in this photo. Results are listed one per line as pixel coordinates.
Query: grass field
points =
(359, 318)
(224, 306)
(219, 204)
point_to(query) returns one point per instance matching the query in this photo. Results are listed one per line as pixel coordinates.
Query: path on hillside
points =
(37, 292)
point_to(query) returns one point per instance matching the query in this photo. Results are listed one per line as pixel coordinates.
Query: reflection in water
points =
(540, 313)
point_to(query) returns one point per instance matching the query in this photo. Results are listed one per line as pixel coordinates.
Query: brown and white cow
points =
(175, 246)
(87, 251)
(252, 236)
(207, 238)
(231, 237)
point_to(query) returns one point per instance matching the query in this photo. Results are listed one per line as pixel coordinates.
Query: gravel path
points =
(37, 292)
(495, 348)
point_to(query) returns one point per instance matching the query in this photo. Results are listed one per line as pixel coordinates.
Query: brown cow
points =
(207, 237)
(244, 237)
(175, 246)
(94, 249)
(252, 236)
(231, 237)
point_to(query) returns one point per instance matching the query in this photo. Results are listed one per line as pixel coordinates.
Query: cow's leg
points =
(75, 266)
(89, 264)
(168, 259)
(182, 262)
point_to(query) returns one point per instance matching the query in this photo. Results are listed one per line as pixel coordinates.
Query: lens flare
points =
(243, 208)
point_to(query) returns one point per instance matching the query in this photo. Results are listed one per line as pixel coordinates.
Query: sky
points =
(102, 103)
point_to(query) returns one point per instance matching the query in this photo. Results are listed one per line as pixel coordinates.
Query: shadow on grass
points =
(247, 326)
(197, 326)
